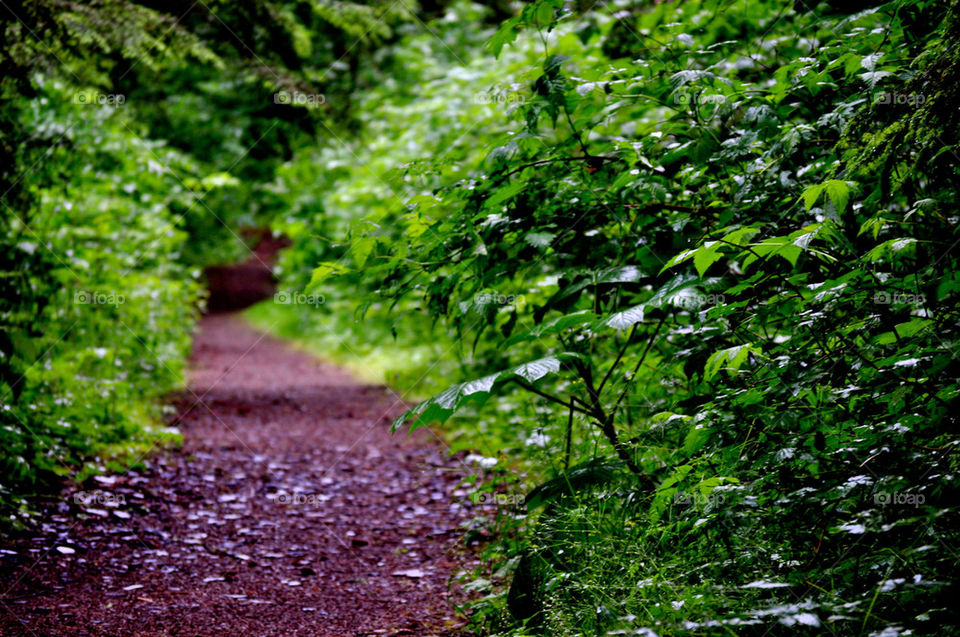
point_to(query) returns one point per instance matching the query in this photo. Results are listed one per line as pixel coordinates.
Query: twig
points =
(541, 162)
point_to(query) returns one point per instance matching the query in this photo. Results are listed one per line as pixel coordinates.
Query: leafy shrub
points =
(97, 308)
(731, 226)
(136, 142)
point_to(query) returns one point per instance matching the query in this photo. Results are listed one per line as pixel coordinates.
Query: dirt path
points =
(289, 510)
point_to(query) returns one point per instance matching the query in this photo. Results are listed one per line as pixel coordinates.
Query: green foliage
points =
(728, 229)
(137, 144)
(687, 270)
(96, 313)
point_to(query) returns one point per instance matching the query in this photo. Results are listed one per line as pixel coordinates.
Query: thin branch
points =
(541, 162)
(619, 357)
(576, 133)
(636, 367)
(550, 397)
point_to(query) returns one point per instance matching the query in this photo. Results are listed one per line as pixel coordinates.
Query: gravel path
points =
(289, 510)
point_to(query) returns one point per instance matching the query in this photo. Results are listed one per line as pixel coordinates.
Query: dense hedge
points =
(696, 266)
(97, 308)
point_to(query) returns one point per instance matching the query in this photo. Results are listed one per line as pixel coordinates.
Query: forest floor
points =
(289, 510)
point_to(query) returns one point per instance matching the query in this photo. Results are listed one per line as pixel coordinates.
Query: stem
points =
(643, 357)
(576, 133)
(541, 162)
(619, 356)
(550, 397)
(605, 421)
(623, 452)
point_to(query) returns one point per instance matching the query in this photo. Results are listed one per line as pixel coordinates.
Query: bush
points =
(732, 233)
(97, 307)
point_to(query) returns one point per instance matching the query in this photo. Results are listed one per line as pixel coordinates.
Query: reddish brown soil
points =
(240, 285)
(289, 510)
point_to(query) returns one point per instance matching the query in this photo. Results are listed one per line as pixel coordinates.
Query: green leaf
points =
(24, 347)
(890, 248)
(839, 193)
(678, 259)
(696, 438)
(554, 326)
(219, 180)
(506, 34)
(440, 407)
(539, 239)
(706, 255)
(502, 194)
(625, 319)
(360, 249)
(535, 370)
(675, 292)
(584, 475)
(740, 236)
(623, 274)
(811, 194)
(873, 225)
(545, 13)
(903, 330)
(608, 276)
(731, 359)
(324, 271)
(773, 246)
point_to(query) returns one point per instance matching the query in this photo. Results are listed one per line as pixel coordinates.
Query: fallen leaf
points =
(413, 572)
